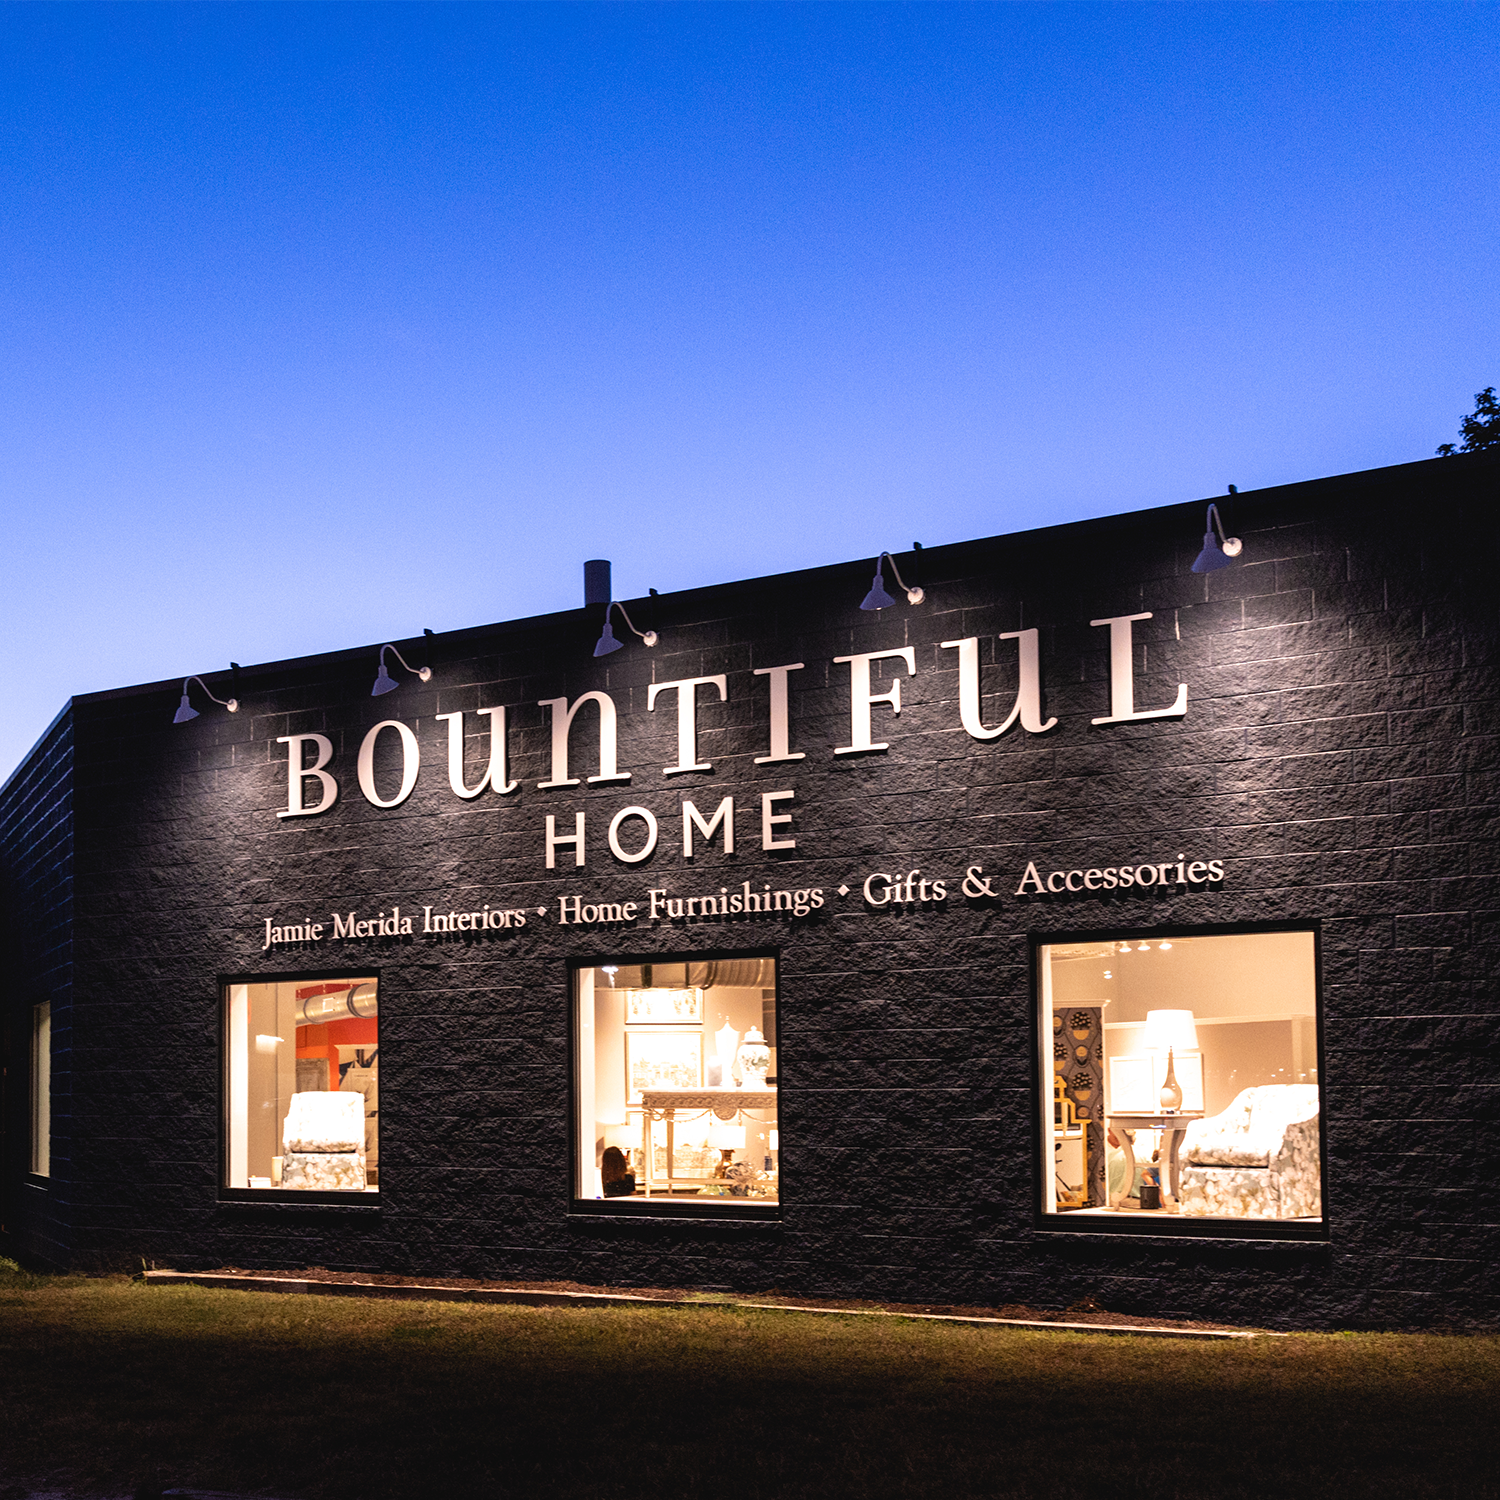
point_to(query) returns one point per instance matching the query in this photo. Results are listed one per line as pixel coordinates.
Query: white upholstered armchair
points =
(323, 1141)
(1259, 1159)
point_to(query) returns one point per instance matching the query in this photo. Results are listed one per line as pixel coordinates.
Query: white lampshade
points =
(726, 1137)
(1171, 1028)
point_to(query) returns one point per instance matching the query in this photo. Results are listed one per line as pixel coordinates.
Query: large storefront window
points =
(302, 1085)
(677, 1083)
(1180, 1078)
(41, 1089)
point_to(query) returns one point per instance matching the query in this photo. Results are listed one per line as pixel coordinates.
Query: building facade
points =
(1090, 925)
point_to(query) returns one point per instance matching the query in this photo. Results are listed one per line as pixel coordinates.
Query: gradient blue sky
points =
(324, 324)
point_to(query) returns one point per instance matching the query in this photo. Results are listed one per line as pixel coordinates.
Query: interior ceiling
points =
(734, 973)
(1073, 952)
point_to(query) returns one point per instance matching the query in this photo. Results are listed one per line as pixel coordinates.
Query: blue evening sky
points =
(322, 324)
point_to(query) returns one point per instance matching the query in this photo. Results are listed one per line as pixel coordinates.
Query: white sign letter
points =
(496, 775)
(692, 818)
(297, 773)
(860, 696)
(555, 840)
(1122, 677)
(780, 737)
(410, 759)
(645, 815)
(562, 721)
(1028, 705)
(769, 820)
(687, 718)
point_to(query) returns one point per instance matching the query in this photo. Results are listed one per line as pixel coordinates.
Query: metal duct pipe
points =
(358, 1003)
(736, 973)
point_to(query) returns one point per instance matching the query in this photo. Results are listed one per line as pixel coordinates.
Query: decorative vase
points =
(755, 1059)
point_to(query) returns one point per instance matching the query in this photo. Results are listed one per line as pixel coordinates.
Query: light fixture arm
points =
(232, 704)
(913, 595)
(650, 637)
(1231, 546)
(425, 673)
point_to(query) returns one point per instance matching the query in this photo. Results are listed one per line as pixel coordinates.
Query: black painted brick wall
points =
(36, 886)
(1339, 755)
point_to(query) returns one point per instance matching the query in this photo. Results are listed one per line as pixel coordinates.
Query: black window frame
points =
(361, 1202)
(704, 1211)
(1168, 1226)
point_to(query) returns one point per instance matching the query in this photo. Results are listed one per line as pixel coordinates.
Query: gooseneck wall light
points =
(877, 598)
(1218, 551)
(597, 589)
(186, 711)
(385, 683)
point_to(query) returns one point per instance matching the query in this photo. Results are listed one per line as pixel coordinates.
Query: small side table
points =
(1173, 1126)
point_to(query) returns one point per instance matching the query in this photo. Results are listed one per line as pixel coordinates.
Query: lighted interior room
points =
(303, 1087)
(677, 1082)
(1182, 1076)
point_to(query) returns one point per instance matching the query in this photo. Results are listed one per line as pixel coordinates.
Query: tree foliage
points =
(1481, 429)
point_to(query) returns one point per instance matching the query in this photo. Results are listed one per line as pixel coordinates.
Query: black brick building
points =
(951, 1030)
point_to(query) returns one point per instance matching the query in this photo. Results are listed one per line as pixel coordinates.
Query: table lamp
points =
(727, 1139)
(1171, 1031)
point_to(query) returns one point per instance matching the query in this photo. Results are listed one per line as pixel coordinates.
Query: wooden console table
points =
(665, 1104)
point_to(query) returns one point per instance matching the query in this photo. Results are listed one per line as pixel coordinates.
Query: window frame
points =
(703, 1211)
(1173, 1226)
(358, 1202)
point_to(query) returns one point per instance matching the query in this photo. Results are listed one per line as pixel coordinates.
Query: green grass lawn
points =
(104, 1381)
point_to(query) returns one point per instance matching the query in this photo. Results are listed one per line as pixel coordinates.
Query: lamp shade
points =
(607, 641)
(726, 1137)
(384, 682)
(1211, 557)
(877, 598)
(1171, 1028)
(185, 710)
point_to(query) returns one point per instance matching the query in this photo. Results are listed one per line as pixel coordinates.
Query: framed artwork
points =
(662, 1060)
(1130, 1091)
(663, 1007)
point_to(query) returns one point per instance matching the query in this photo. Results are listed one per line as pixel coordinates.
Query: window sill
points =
(295, 1198)
(1173, 1227)
(742, 1211)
